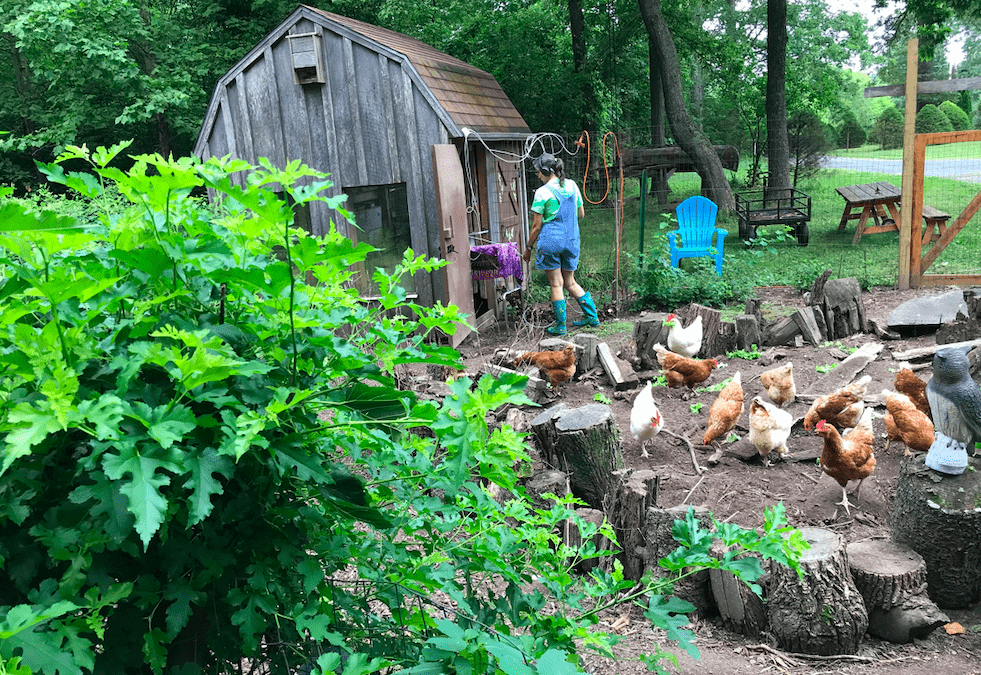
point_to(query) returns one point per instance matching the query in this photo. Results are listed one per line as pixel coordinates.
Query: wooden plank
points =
(912, 186)
(357, 130)
(609, 363)
(845, 371)
(804, 318)
(919, 353)
(931, 87)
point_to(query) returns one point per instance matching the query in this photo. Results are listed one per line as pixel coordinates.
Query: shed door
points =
(509, 209)
(454, 240)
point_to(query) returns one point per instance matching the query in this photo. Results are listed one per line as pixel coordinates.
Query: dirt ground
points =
(739, 487)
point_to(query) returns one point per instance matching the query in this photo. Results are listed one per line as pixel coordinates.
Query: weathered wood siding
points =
(369, 124)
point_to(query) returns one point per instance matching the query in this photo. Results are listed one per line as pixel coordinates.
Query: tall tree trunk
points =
(659, 181)
(587, 103)
(22, 82)
(777, 141)
(692, 141)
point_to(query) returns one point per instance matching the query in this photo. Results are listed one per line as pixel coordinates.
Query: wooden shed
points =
(423, 144)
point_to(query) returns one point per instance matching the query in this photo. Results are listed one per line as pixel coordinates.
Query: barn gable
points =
(366, 105)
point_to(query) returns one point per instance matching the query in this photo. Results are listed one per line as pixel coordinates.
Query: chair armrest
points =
(673, 237)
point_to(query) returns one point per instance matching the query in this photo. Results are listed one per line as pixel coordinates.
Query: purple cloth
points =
(508, 261)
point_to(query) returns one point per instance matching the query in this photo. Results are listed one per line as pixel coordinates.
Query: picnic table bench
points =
(880, 201)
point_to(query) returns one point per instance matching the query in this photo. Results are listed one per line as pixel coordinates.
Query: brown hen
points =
(779, 384)
(841, 408)
(725, 411)
(558, 366)
(909, 384)
(850, 457)
(681, 370)
(906, 424)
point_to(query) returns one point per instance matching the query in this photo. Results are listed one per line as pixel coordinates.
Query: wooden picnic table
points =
(880, 201)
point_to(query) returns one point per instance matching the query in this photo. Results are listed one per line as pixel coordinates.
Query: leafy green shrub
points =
(851, 134)
(958, 118)
(206, 458)
(887, 130)
(931, 120)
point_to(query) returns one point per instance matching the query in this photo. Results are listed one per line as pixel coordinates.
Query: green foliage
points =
(851, 134)
(887, 130)
(959, 120)
(931, 120)
(809, 141)
(695, 408)
(206, 458)
(826, 367)
(600, 397)
(753, 353)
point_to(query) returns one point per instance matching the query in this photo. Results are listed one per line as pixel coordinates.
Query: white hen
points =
(685, 341)
(769, 428)
(645, 419)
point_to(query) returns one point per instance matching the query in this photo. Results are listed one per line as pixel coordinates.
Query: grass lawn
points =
(874, 262)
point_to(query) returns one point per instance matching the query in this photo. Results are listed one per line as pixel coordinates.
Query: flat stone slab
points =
(932, 310)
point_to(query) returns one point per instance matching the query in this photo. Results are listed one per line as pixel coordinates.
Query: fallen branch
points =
(691, 449)
(812, 657)
(683, 501)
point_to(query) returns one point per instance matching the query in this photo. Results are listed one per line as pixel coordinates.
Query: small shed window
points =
(382, 216)
(307, 54)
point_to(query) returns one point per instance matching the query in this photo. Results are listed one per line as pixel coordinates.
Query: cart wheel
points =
(889, 222)
(802, 235)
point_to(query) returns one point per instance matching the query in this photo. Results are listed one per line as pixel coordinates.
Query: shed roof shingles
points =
(471, 96)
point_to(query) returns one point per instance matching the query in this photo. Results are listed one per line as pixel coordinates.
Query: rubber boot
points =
(558, 307)
(590, 317)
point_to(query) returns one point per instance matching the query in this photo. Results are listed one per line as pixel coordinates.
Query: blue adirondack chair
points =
(693, 238)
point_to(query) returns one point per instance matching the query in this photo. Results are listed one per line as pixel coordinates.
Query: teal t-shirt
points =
(545, 202)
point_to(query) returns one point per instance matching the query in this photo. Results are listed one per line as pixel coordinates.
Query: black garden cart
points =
(773, 206)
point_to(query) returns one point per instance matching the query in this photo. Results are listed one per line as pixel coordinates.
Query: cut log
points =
(804, 318)
(972, 298)
(926, 353)
(892, 579)
(821, 612)
(585, 443)
(549, 481)
(938, 516)
(748, 332)
(649, 330)
(585, 357)
(960, 329)
(572, 537)
(843, 307)
(816, 296)
(754, 307)
(741, 610)
(696, 588)
(636, 492)
(781, 332)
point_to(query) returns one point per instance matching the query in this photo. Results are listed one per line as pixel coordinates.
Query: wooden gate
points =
(919, 261)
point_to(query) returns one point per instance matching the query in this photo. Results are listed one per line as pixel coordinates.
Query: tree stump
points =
(748, 332)
(696, 588)
(742, 611)
(939, 517)
(585, 443)
(822, 613)
(843, 307)
(892, 579)
(718, 336)
(572, 537)
(550, 481)
(636, 492)
(649, 330)
(585, 357)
